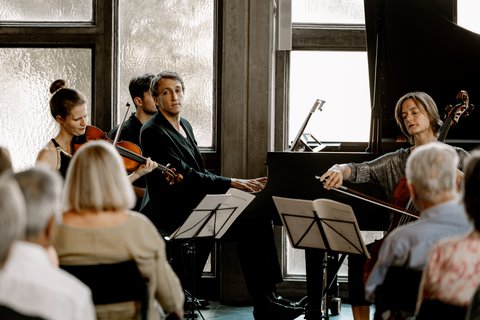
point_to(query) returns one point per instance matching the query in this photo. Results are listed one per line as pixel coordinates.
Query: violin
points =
(130, 152)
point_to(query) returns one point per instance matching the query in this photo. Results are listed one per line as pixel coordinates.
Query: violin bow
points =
(120, 126)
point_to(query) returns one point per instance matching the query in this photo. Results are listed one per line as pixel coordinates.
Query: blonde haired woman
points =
(98, 227)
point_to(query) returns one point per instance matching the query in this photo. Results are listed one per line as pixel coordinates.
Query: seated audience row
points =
(452, 275)
(431, 173)
(97, 228)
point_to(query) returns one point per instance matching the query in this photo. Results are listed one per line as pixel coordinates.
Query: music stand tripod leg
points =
(192, 307)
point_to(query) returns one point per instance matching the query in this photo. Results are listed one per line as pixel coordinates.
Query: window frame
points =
(307, 37)
(96, 35)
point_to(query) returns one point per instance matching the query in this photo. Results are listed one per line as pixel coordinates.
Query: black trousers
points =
(253, 235)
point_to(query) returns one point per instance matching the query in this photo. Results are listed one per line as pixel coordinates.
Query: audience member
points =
(29, 282)
(69, 109)
(431, 174)
(473, 311)
(145, 108)
(98, 228)
(12, 216)
(169, 138)
(5, 160)
(451, 275)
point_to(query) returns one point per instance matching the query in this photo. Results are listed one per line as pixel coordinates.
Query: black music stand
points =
(211, 218)
(297, 143)
(322, 224)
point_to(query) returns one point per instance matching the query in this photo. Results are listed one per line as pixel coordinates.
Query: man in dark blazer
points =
(169, 139)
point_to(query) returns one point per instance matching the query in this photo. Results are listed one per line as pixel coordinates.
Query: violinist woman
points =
(69, 109)
(417, 116)
(98, 227)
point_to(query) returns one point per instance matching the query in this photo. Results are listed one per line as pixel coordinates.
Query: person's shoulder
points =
(185, 122)
(155, 121)
(137, 219)
(47, 155)
(142, 229)
(71, 283)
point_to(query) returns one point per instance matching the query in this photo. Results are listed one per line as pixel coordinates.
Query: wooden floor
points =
(218, 311)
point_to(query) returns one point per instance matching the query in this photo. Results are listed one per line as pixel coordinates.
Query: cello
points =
(401, 197)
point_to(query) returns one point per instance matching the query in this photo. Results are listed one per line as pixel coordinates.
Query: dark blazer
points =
(171, 204)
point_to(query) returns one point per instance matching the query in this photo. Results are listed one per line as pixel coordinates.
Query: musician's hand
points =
(334, 176)
(143, 169)
(249, 185)
(147, 167)
(171, 175)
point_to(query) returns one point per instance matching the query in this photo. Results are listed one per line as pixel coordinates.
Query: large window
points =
(175, 35)
(328, 61)
(41, 41)
(467, 14)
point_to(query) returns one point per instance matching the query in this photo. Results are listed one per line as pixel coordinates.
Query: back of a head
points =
(42, 189)
(471, 188)
(139, 85)
(12, 214)
(97, 180)
(5, 160)
(432, 170)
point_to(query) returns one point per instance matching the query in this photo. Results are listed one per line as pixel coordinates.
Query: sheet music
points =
(214, 215)
(239, 199)
(322, 223)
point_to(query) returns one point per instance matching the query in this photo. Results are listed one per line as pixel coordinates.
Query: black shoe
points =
(192, 303)
(302, 302)
(276, 311)
(272, 297)
(286, 302)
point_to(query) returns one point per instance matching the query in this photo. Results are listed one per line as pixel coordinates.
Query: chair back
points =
(397, 296)
(6, 313)
(113, 283)
(438, 310)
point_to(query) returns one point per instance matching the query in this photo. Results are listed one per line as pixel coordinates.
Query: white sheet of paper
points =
(225, 208)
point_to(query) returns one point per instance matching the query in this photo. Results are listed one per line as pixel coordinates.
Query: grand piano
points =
(412, 45)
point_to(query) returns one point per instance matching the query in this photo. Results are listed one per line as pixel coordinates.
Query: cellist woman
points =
(417, 116)
(69, 109)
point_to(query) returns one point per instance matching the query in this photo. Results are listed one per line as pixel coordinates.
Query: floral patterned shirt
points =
(452, 273)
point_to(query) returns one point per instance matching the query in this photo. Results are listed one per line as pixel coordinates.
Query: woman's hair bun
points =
(57, 85)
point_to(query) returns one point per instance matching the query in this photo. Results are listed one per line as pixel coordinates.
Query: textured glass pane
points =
(46, 10)
(175, 35)
(328, 11)
(339, 78)
(26, 124)
(467, 11)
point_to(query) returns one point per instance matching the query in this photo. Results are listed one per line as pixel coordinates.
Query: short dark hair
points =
(139, 85)
(164, 75)
(471, 188)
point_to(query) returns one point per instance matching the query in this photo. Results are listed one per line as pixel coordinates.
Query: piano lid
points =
(420, 48)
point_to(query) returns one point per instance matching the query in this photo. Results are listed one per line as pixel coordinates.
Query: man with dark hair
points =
(169, 138)
(145, 108)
